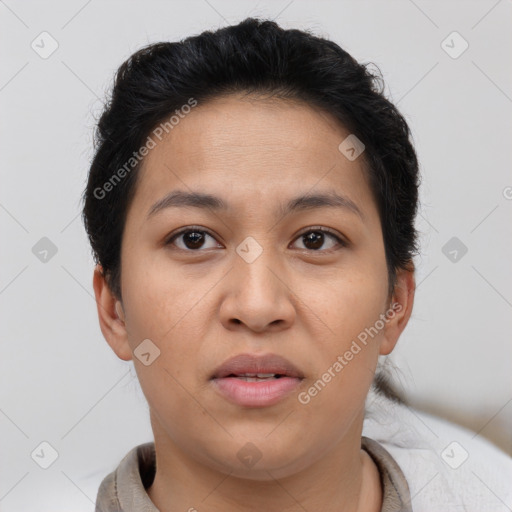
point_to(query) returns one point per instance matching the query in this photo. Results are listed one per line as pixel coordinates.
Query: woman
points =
(251, 209)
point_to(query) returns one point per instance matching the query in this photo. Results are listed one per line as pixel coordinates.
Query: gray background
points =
(60, 381)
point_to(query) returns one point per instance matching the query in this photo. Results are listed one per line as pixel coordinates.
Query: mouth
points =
(256, 381)
(256, 377)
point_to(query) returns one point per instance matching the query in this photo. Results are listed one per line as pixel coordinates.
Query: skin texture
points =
(203, 306)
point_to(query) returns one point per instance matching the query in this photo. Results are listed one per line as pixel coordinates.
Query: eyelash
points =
(199, 229)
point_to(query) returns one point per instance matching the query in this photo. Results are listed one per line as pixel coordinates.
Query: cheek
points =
(354, 302)
(163, 307)
(346, 356)
(348, 350)
(160, 299)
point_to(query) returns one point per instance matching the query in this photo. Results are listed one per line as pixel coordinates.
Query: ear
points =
(399, 310)
(111, 316)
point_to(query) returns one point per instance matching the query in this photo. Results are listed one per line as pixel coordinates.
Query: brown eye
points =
(314, 239)
(191, 239)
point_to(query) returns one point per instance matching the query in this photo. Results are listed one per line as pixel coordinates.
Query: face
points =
(253, 277)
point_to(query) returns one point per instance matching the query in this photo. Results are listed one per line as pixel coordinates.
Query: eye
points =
(194, 238)
(315, 238)
(191, 239)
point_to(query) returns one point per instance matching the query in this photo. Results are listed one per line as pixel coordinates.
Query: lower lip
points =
(256, 394)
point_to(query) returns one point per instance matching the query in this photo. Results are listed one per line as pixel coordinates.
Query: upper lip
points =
(253, 364)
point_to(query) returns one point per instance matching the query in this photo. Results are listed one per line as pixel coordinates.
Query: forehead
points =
(249, 148)
(236, 127)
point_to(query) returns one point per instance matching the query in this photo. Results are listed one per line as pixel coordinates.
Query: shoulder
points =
(106, 498)
(124, 489)
(447, 467)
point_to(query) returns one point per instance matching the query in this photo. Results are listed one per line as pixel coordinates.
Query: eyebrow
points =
(181, 199)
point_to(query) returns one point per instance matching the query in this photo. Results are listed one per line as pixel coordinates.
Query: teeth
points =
(260, 375)
(256, 377)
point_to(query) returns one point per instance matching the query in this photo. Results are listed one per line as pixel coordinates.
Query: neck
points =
(345, 479)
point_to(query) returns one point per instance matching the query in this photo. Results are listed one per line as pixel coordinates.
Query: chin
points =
(260, 464)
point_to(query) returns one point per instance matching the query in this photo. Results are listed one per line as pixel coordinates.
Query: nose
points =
(258, 295)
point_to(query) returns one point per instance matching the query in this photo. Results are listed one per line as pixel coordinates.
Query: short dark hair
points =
(254, 56)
